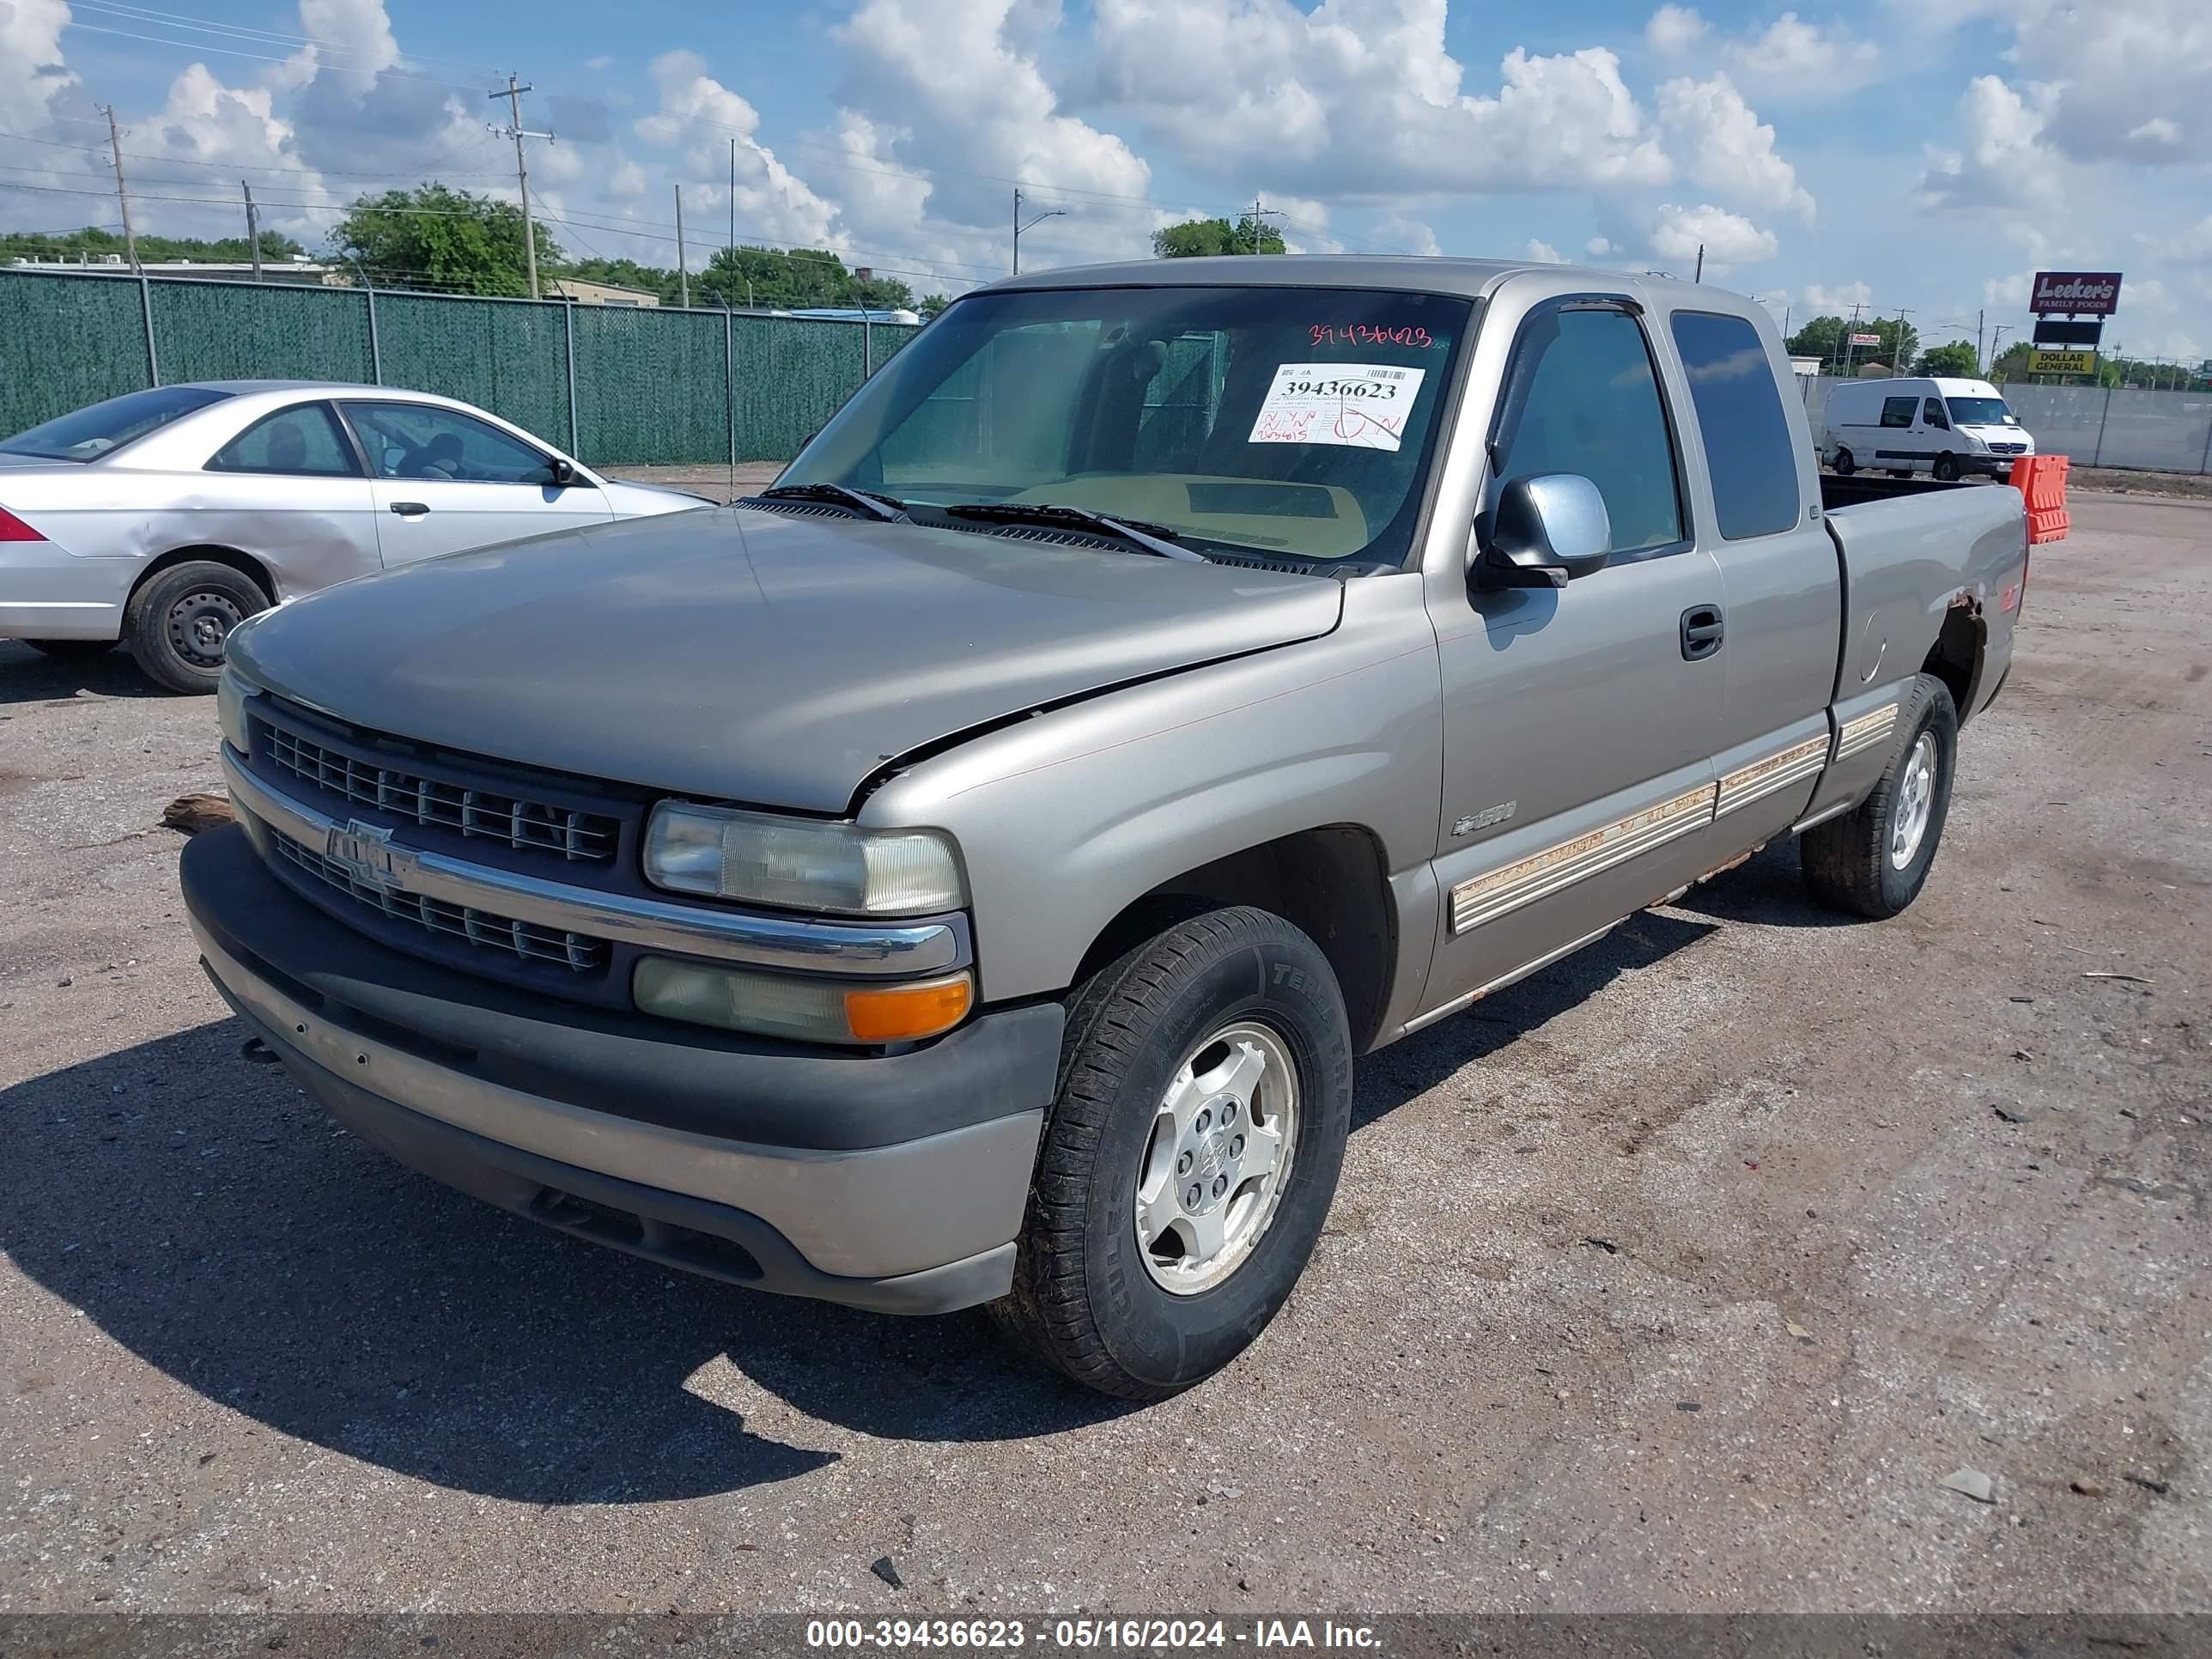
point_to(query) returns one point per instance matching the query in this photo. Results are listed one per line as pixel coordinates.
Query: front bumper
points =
(895, 1183)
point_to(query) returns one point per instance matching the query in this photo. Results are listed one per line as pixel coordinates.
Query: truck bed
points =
(1838, 491)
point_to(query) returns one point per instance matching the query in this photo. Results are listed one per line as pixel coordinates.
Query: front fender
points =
(1065, 819)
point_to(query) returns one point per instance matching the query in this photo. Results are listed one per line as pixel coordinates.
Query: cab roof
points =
(1477, 279)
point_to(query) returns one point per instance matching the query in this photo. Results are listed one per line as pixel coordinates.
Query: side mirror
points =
(1545, 531)
(565, 472)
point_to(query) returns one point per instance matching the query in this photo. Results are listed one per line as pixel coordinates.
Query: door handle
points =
(409, 509)
(1702, 628)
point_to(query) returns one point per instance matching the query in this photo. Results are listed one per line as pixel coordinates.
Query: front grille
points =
(526, 940)
(2007, 449)
(588, 837)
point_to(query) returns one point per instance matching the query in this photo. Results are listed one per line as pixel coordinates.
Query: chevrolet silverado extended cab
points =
(966, 872)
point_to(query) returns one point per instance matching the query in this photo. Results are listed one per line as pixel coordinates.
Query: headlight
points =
(230, 694)
(798, 864)
(803, 1010)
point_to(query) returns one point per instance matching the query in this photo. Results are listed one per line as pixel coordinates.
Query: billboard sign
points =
(1866, 339)
(2075, 294)
(2062, 363)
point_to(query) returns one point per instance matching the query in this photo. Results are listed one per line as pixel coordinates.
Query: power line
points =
(182, 19)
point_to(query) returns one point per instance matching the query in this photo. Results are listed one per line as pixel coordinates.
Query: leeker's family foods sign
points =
(2075, 293)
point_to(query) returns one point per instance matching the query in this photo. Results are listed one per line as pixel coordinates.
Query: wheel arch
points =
(1330, 882)
(210, 553)
(1960, 653)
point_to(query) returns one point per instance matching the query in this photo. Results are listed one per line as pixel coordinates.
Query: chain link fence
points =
(613, 384)
(2094, 425)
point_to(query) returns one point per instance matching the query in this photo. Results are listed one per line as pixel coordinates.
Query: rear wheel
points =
(71, 650)
(1947, 468)
(1845, 464)
(177, 622)
(1873, 860)
(1188, 1162)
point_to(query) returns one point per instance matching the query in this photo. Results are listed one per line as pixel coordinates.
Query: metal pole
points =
(513, 93)
(683, 271)
(730, 392)
(122, 190)
(568, 341)
(1018, 230)
(1700, 276)
(146, 306)
(867, 347)
(253, 229)
(2105, 415)
(2204, 461)
(732, 243)
(375, 347)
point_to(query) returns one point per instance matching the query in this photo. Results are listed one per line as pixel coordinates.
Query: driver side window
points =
(1582, 397)
(421, 441)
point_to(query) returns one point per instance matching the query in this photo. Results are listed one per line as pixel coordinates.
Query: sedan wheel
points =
(179, 621)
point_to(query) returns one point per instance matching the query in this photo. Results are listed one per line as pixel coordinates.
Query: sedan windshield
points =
(1980, 411)
(105, 428)
(1275, 421)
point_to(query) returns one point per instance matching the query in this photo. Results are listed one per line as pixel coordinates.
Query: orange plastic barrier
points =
(2042, 480)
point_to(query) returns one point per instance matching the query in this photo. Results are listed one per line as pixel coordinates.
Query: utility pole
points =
(513, 93)
(253, 229)
(1050, 213)
(122, 190)
(1980, 361)
(1897, 346)
(683, 272)
(1849, 329)
(1700, 276)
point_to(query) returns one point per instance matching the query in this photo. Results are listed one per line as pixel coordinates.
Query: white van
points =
(1946, 427)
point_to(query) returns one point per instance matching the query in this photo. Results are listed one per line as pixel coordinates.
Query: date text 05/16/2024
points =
(1111, 1635)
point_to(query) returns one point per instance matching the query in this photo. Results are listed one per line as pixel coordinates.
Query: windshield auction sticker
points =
(1358, 405)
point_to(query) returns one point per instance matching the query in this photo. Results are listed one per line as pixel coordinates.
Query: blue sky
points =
(1874, 155)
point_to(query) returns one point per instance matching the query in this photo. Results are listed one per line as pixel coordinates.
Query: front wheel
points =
(178, 622)
(1873, 860)
(1947, 468)
(1188, 1161)
(1845, 464)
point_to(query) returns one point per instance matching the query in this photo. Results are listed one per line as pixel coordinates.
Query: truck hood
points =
(755, 656)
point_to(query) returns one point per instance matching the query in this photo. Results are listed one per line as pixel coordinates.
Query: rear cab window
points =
(303, 441)
(96, 432)
(1740, 422)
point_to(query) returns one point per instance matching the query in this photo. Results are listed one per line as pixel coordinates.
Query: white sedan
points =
(166, 517)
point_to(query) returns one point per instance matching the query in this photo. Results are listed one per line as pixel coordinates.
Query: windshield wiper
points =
(1148, 538)
(868, 503)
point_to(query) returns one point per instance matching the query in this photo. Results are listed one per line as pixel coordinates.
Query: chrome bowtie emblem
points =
(364, 852)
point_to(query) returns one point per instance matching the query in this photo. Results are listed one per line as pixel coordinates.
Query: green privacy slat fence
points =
(66, 343)
(506, 356)
(222, 331)
(615, 386)
(649, 387)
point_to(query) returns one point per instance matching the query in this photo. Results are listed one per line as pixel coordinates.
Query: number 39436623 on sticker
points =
(1357, 405)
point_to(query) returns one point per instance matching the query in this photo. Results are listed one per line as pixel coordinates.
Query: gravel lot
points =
(1680, 1277)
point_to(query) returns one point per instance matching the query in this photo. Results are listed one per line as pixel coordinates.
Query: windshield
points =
(1278, 421)
(1980, 411)
(103, 429)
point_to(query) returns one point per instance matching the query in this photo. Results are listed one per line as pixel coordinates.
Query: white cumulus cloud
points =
(1729, 239)
(1725, 147)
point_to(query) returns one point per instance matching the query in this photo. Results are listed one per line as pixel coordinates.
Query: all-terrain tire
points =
(1085, 1298)
(1873, 861)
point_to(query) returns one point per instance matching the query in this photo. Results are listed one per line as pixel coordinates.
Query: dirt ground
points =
(1680, 1277)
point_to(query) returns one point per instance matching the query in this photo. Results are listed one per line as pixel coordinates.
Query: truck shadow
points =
(1768, 890)
(209, 1218)
(27, 677)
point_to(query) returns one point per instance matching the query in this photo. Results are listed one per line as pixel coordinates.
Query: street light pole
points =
(1051, 213)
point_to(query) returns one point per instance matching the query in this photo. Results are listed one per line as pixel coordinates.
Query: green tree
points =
(435, 236)
(2012, 365)
(930, 304)
(1195, 238)
(628, 273)
(1957, 358)
(769, 278)
(98, 244)
(1822, 337)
